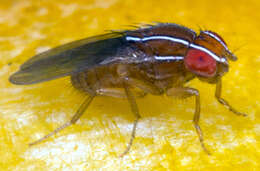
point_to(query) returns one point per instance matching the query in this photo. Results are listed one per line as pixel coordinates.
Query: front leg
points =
(184, 92)
(223, 101)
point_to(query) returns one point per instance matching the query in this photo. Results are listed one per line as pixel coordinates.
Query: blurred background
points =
(166, 139)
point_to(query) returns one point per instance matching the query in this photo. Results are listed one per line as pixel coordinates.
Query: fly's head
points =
(208, 57)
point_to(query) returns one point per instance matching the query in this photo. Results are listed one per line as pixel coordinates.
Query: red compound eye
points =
(200, 63)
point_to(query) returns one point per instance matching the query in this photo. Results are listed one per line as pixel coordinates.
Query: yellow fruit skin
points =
(166, 139)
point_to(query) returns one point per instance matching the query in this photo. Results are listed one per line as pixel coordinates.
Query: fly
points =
(158, 59)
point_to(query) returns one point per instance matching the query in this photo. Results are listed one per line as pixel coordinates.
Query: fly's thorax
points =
(162, 40)
(162, 74)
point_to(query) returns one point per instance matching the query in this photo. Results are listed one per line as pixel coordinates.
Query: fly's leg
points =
(143, 85)
(111, 92)
(147, 87)
(124, 93)
(184, 92)
(223, 101)
(134, 108)
(73, 120)
(116, 92)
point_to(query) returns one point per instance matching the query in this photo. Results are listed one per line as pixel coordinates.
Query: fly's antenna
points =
(200, 28)
(233, 55)
(116, 32)
(131, 26)
(239, 47)
(142, 25)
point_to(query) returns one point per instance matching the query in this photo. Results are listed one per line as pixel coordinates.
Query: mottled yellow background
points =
(166, 139)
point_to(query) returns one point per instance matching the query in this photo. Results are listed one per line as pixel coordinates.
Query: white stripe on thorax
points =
(178, 40)
(169, 58)
(137, 39)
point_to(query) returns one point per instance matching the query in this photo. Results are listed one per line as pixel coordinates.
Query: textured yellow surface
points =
(166, 139)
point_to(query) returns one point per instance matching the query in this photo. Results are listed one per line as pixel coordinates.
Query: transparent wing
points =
(68, 59)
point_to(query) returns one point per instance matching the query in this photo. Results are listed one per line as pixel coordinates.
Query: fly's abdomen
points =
(97, 78)
(79, 81)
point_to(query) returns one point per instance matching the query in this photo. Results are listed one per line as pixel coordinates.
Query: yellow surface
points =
(166, 139)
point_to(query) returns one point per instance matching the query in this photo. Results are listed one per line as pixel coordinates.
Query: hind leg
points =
(117, 92)
(83, 107)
